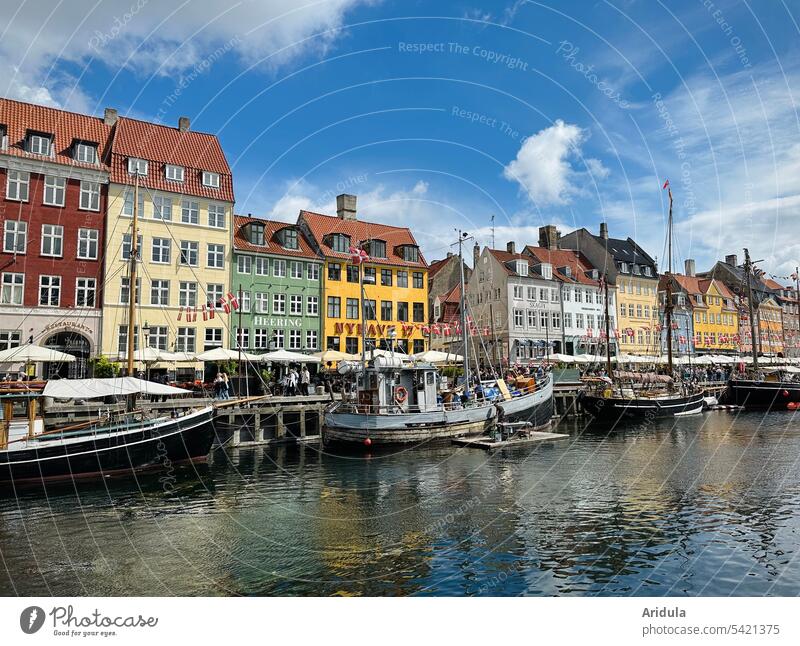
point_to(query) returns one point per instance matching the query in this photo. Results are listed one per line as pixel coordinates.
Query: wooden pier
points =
(488, 444)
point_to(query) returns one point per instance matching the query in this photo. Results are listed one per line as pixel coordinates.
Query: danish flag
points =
(358, 256)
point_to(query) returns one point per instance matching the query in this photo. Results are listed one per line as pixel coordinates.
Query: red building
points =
(53, 192)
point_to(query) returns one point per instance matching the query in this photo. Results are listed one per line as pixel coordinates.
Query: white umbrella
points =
(387, 353)
(177, 357)
(434, 356)
(335, 355)
(284, 356)
(33, 354)
(147, 355)
(224, 354)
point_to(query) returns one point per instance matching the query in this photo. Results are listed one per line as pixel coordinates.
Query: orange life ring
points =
(400, 394)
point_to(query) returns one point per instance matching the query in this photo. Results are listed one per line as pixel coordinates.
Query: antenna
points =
(493, 231)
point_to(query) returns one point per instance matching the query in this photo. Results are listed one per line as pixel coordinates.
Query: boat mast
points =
(363, 316)
(462, 237)
(668, 296)
(132, 280)
(608, 326)
(797, 303)
(748, 268)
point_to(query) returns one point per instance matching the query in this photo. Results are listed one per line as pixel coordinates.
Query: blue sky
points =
(439, 115)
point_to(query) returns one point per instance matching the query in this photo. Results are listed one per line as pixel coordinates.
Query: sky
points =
(441, 115)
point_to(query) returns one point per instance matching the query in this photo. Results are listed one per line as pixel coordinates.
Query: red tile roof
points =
(272, 246)
(321, 226)
(576, 261)
(772, 284)
(162, 145)
(437, 265)
(453, 296)
(504, 257)
(65, 128)
(694, 285)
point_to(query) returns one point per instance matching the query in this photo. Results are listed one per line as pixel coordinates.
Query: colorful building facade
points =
(278, 279)
(395, 281)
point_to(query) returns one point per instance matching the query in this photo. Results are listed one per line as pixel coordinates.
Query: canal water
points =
(706, 505)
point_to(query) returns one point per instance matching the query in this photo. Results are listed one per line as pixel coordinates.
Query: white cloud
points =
(543, 167)
(162, 38)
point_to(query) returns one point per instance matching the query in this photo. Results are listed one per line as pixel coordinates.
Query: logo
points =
(31, 619)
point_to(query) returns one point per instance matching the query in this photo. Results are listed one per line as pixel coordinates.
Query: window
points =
(189, 252)
(312, 305)
(187, 294)
(638, 310)
(410, 253)
(386, 310)
(173, 173)
(279, 304)
(590, 320)
(15, 236)
(369, 275)
(296, 269)
(157, 338)
(86, 153)
(88, 242)
(567, 320)
(333, 343)
(419, 312)
(39, 145)
(531, 293)
(402, 311)
(125, 289)
(137, 166)
(311, 339)
(262, 266)
(277, 338)
(370, 311)
(261, 338)
(418, 279)
(127, 202)
(334, 307)
(279, 268)
(242, 337)
(262, 303)
(162, 208)
(256, 233)
(10, 339)
(351, 345)
(543, 319)
(214, 293)
(216, 216)
(519, 318)
(50, 290)
(244, 264)
(52, 240)
(122, 338)
(631, 312)
(85, 290)
(210, 179)
(353, 275)
(17, 185)
(185, 341)
(295, 342)
(377, 249)
(532, 319)
(402, 279)
(312, 271)
(386, 277)
(90, 196)
(289, 239)
(159, 292)
(340, 243)
(190, 212)
(518, 292)
(244, 301)
(160, 250)
(334, 271)
(216, 256)
(296, 305)
(579, 321)
(54, 188)
(351, 308)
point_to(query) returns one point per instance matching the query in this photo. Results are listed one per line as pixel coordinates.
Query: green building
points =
(278, 278)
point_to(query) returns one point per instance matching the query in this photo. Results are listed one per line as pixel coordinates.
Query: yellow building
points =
(716, 318)
(185, 217)
(395, 281)
(770, 327)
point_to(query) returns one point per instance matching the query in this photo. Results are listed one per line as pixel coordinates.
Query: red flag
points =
(211, 310)
(358, 255)
(180, 313)
(205, 314)
(233, 301)
(665, 185)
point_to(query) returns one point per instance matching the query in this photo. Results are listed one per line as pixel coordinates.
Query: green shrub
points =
(103, 367)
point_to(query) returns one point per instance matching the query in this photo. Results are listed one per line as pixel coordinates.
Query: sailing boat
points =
(642, 395)
(399, 402)
(109, 444)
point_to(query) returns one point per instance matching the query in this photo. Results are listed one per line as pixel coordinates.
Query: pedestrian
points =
(225, 389)
(217, 387)
(305, 379)
(292, 382)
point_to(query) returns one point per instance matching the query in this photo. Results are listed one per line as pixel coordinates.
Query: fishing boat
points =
(624, 395)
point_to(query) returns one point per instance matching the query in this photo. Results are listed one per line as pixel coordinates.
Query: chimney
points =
(604, 231)
(689, 266)
(732, 260)
(511, 247)
(110, 116)
(549, 237)
(346, 207)
(449, 254)
(476, 253)
(183, 124)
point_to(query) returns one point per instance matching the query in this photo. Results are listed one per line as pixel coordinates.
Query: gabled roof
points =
(504, 257)
(359, 231)
(273, 246)
(438, 265)
(626, 251)
(162, 145)
(579, 266)
(772, 284)
(453, 296)
(65, 127)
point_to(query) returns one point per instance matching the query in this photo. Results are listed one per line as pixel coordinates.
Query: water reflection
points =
(706, 505)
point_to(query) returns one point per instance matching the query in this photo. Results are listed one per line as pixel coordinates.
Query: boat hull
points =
(535, 407)
(616, 408)
(155, 445)
(762, 395)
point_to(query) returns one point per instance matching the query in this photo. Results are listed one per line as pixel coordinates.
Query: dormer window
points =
(85, 153)
(681, 300)
(173, 173)
(376, 248)
(3, 137)
(409, 253)
(567, 271)
(210, 179)
(289, 239)
(256, 234)
(340, 242)
(137, 166)
(699, 298)
(547, 270)
(39, 144)
(623, 267)
(647, 271)
(595, 274)
(522, 267)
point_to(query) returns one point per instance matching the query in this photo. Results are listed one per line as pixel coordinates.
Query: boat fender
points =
(400, 394)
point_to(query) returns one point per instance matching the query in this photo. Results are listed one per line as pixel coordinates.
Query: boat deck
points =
(488, 444)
